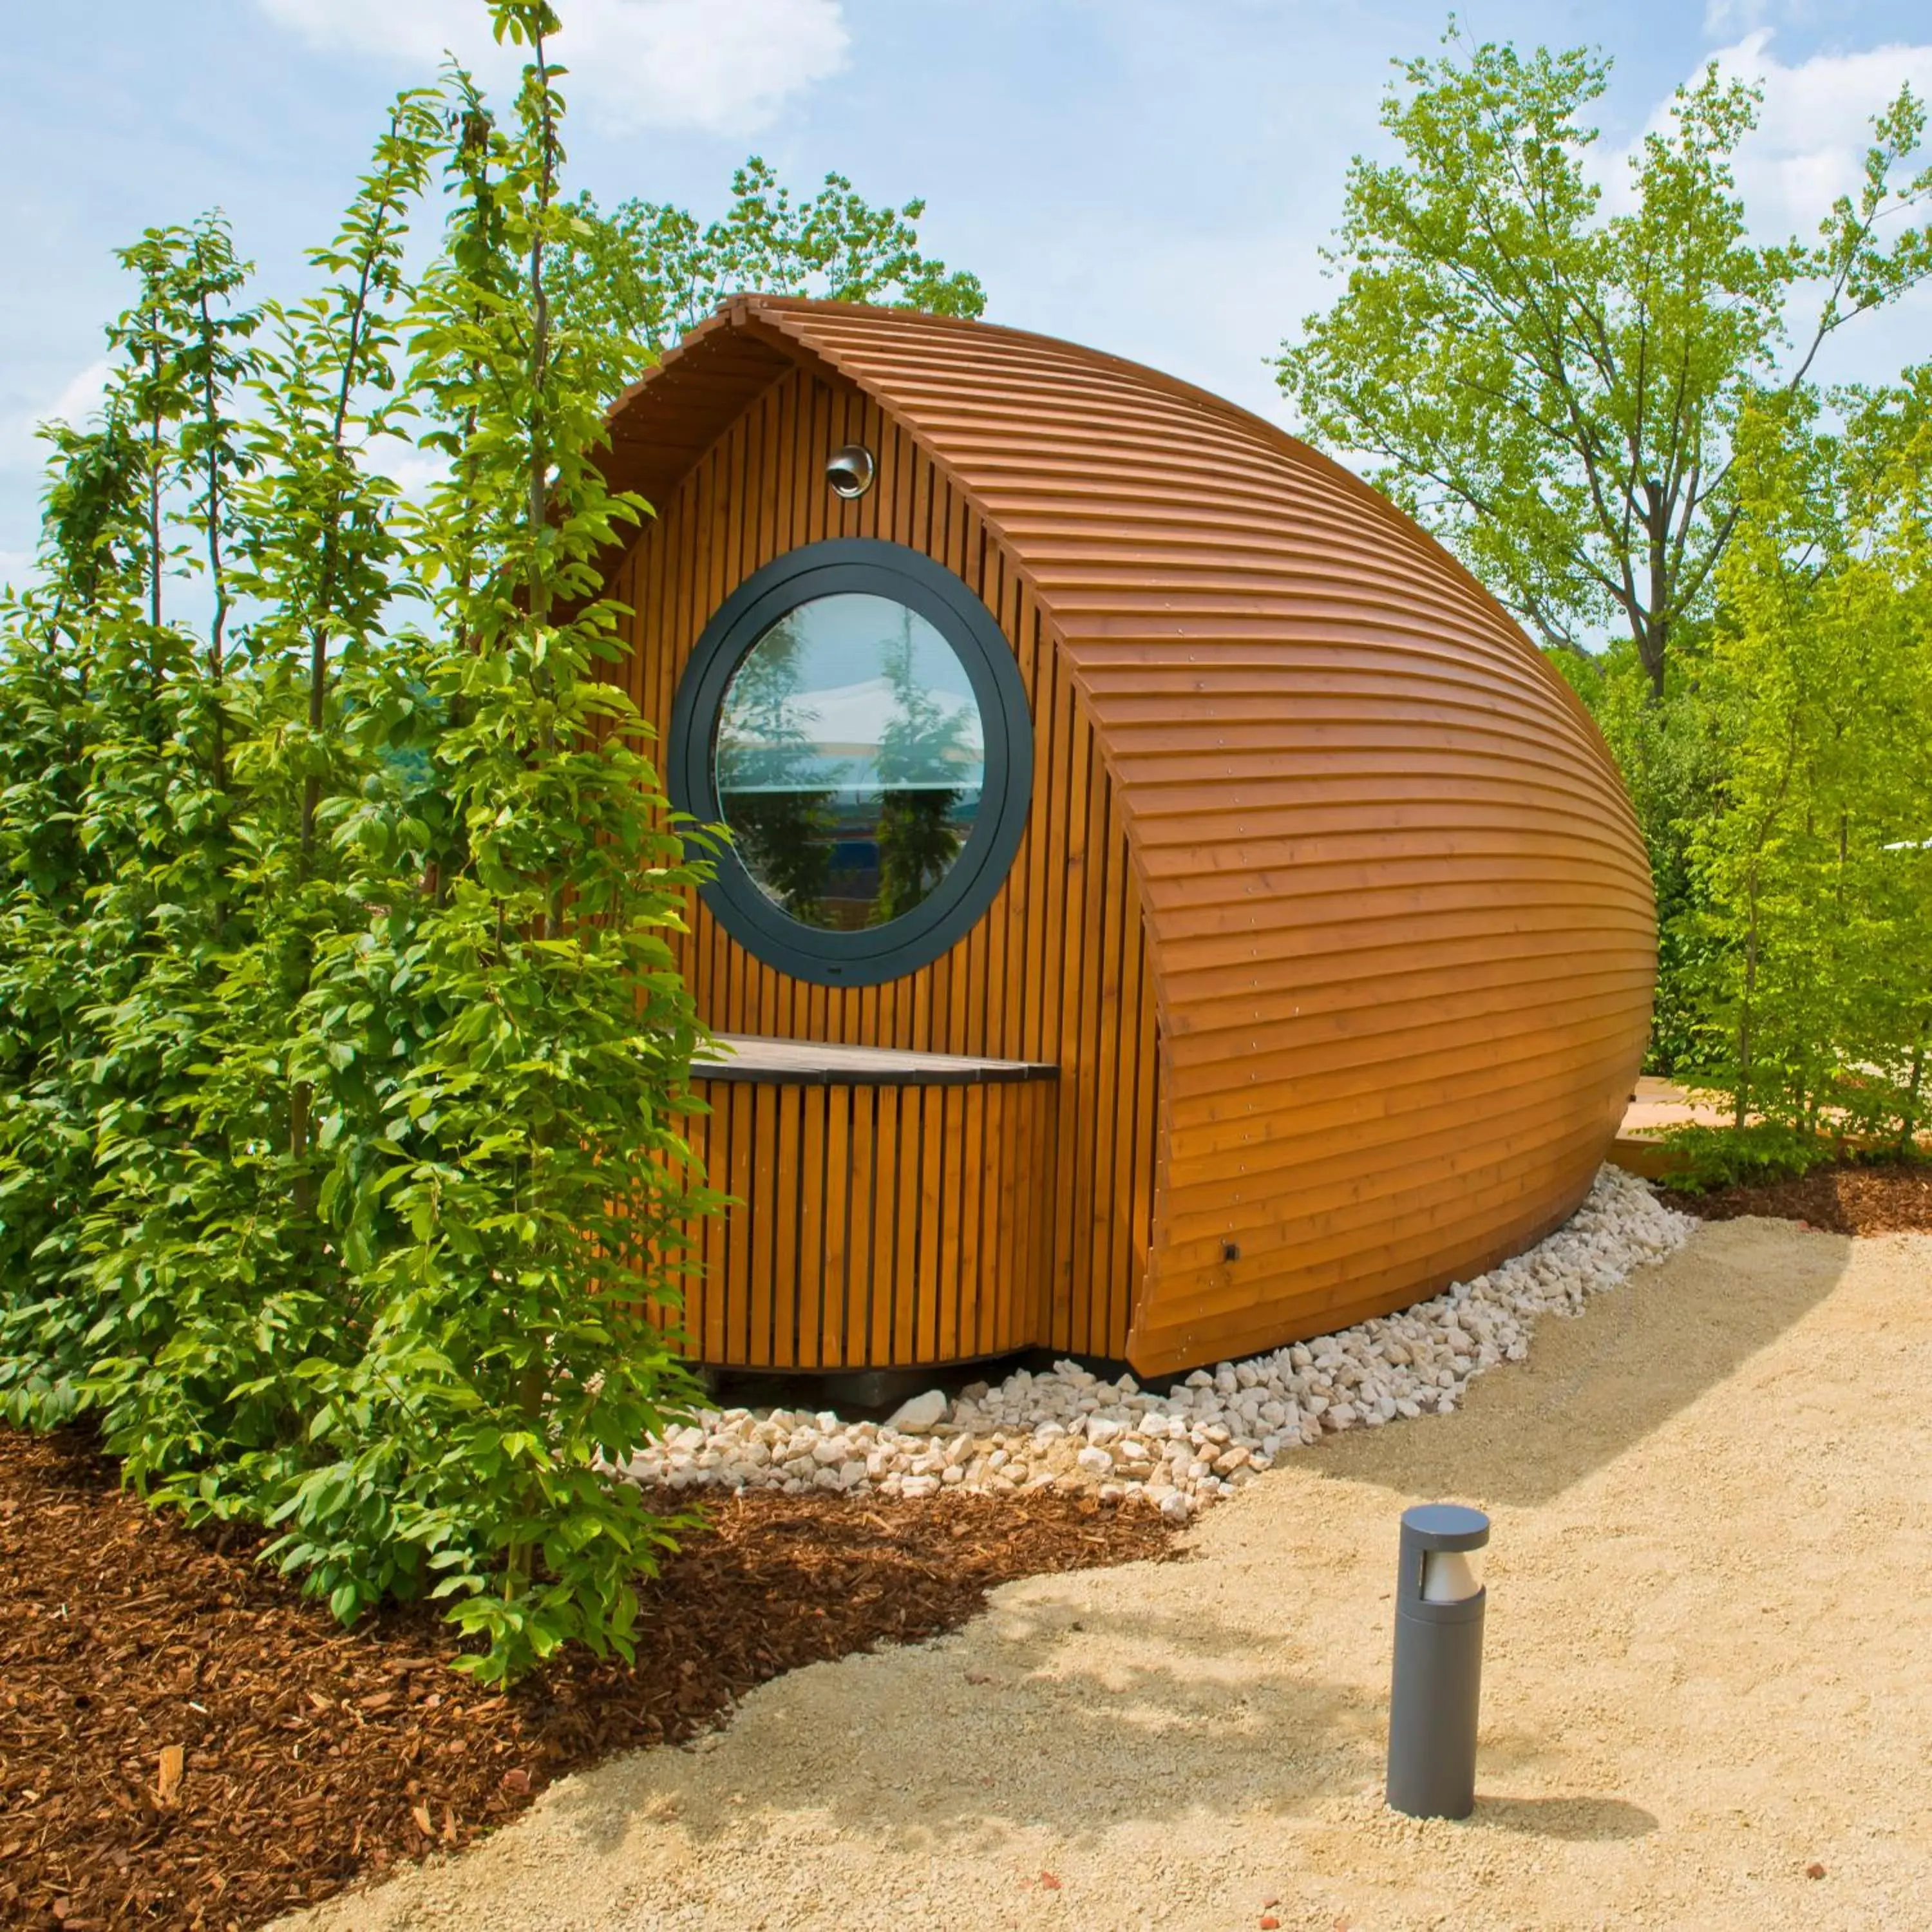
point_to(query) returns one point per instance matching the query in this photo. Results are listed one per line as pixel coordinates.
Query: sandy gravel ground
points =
(1709, 1668)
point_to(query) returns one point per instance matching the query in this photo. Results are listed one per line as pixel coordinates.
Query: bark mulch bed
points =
(184, 1742)
(1893, 1198)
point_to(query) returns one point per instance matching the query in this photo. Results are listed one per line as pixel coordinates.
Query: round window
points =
(854, 717)
(850, 760)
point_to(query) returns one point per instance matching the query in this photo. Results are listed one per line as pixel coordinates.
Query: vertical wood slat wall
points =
(1044, 1250)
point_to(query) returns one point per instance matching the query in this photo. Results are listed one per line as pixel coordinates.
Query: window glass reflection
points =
(850, 760)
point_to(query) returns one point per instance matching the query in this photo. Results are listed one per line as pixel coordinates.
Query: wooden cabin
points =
(1174, 910)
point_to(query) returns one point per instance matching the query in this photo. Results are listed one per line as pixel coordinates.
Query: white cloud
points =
(1813, 128)
(724, 68)
(81, 397)
(1729, 16)
(411, 469)
(1809, 148)
(21, 448)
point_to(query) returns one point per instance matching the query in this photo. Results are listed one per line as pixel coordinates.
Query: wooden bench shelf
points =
(800, 1063)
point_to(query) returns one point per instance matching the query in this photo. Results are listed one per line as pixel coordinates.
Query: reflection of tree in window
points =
(772, 778)
(919, 838)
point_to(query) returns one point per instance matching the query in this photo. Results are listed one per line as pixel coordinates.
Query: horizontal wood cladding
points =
(1400, 920)
(1029, 1218)
(873, 1226)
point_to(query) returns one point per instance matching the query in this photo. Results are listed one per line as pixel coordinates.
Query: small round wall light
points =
(850, 471)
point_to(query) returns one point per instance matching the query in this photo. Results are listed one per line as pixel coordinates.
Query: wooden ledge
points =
(804, 1063)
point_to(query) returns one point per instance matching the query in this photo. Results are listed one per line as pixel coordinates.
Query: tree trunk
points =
(1653, 637)
(1744, 1038)
(1908, 1129)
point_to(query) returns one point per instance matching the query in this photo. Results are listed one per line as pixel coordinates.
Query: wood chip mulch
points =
(1848, 1198)
(184, 1742)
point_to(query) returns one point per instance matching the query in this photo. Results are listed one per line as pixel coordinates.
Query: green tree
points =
(1814, 870)
(116, 913)
(1674, 757)
(52, 681)
(1552, 390)
(522, 1197)
(641, 275)
(220, 1233)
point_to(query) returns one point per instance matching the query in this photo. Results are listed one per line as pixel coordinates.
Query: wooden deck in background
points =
(1657, 1106)
(1661, 1105)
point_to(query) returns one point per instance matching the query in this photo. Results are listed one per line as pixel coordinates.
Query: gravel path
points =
(1710, 1604)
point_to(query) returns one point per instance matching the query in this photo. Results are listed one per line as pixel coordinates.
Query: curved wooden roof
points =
(1398, 908)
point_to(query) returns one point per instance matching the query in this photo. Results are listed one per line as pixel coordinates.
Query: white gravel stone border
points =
(1179, 1451)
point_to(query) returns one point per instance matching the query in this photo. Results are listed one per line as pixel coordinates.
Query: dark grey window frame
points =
(872, 567)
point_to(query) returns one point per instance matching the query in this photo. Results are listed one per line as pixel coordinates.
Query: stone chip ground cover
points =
(1200, 1441)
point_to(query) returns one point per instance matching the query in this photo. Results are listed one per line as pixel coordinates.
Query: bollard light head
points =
(1438, 1542)
(1445, 1526)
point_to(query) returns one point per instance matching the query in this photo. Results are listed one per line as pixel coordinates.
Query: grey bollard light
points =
(1438, 1663)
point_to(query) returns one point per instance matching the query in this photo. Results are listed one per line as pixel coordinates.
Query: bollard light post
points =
(1438, 1662)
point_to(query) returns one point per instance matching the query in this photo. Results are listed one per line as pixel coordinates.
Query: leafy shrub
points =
(344, 1059)
(1812, 913)
(1712, 1157)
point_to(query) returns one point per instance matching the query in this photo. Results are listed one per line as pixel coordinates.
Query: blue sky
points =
(1152, 176)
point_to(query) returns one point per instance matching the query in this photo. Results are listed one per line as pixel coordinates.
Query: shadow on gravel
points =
(1574, 1820)
(1204, 1709)
(1195, 1714)
(1595, 1386)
